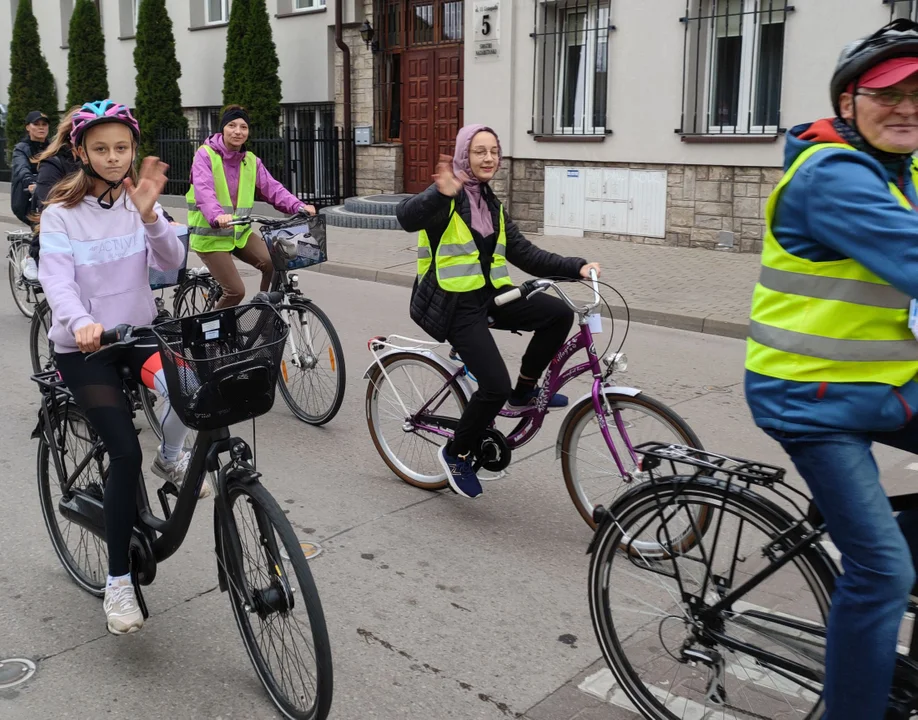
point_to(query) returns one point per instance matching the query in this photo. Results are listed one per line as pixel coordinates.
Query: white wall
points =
(302, 47)
(645, 81)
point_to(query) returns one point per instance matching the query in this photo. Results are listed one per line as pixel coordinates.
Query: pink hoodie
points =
(266, 187)
(94, 265)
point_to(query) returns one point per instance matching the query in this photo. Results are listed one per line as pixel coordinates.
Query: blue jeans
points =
(877, 549)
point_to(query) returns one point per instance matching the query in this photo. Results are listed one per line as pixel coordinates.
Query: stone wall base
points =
(380, 169)
(701, 201)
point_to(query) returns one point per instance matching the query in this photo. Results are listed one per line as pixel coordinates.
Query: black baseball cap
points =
(35, 116)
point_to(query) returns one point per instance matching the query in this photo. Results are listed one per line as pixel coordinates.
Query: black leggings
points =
(551, 320)
(97, 390)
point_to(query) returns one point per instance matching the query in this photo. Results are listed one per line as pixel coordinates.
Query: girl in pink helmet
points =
(101, 229)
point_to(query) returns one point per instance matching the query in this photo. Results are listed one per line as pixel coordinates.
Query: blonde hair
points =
(61, 137)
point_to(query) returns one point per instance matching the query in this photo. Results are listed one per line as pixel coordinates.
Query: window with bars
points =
(571, 62)
(907, 9)
(733, 66)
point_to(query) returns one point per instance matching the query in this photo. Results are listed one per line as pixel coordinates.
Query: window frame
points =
(225, 6)
(313, 5)
(907, 9)
(750, 58)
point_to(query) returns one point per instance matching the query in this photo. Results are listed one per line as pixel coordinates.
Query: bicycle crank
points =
(493, 451)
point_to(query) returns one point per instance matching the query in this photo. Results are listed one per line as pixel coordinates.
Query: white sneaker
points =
(121, 609)
(29, 269)
(175, 472)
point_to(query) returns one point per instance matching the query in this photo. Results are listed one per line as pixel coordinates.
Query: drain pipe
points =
(346, 69)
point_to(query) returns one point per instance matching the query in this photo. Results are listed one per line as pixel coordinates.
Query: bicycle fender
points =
(450, 367)
(568, 419)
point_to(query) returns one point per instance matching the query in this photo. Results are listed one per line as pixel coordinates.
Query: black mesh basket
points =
(221, 367)
(160, 279)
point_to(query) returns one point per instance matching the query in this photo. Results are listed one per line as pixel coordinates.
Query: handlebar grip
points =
(272, 298)
(116, 334)
(509, 296)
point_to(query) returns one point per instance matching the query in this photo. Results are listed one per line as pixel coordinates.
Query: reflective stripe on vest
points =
(833, 321)
(458, 265)
(201, 236)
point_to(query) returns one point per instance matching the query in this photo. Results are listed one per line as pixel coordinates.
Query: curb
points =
(710, 325)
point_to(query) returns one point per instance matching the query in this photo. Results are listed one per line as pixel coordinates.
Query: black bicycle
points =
(732, 624)
(221, 368)
(313, 372)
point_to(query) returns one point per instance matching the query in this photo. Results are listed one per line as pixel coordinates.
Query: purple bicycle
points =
(415, 397)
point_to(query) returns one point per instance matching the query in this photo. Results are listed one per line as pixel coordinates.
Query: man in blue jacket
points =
(832, 358)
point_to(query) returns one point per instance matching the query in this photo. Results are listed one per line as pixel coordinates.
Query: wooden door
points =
(417, 112)
(431, 107)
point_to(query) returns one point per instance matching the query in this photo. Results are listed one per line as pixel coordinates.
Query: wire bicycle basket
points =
(221, 367)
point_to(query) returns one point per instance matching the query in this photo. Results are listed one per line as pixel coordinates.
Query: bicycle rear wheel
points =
(22, 295)
(83, 554)
(284, 628)
(409, 450)
(646, 606)
(590, 473)
(41, 349)
(313, 376)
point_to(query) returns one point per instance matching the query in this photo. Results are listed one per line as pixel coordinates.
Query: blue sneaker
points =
(460, 475)
(520, 401)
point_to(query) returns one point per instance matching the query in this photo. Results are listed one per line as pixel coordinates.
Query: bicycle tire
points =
(580, 416)
(259, 497)
(93, 583)
(650, 497)
(336, 360)
(41, 349)
(376, 380)
(196, 295)
(17, 253)
(148, 400)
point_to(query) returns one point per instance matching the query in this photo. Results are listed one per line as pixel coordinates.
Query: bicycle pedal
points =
(169, 488)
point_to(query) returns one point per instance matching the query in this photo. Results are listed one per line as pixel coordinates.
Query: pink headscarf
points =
(481, 214)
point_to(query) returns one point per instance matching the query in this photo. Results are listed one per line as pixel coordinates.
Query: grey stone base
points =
(369, 213)
(374, 204)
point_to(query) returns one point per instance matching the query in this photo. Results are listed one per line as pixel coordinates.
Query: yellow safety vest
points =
(457, 263)
(201, 236)
(831, 321)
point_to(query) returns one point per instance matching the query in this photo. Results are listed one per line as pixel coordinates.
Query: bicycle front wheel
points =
(41, 349)
(196, 295)
(22, 296)
(283, 628)
(148, 401)
(590, 472)
(761, 657)
(313, 375)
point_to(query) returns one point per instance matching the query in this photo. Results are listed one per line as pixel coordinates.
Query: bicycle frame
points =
(159, 538)
(533, 417)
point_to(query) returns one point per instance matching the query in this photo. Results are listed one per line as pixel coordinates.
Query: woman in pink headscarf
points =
(466, 238)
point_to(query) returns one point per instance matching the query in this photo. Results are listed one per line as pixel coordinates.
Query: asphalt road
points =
(437, 607)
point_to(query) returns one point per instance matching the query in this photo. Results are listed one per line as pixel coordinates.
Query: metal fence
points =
(309, 164)
(733, 66)
(6, 173)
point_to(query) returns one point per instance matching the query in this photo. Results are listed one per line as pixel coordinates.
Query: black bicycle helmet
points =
(898, 39)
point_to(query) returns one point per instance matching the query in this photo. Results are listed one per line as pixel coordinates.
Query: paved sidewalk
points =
(687, 288)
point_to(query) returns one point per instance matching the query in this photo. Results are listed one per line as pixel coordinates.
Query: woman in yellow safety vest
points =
(465, 240)
(226, 180)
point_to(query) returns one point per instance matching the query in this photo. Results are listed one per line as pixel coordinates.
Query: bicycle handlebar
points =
(119, 338)
(538, 285)
(263, 220)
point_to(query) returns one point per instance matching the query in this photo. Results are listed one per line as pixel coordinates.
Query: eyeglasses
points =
(890, 98)
(481, 153)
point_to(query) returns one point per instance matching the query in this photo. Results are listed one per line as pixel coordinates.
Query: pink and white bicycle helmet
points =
(96, 113)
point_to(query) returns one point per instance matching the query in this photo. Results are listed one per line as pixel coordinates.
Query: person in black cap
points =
(24, 168)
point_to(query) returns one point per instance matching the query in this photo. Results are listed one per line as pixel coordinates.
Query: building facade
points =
(302, 33)
(652, 121)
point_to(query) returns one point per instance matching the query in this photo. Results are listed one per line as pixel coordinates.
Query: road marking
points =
(604, 686)
(912, 466)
